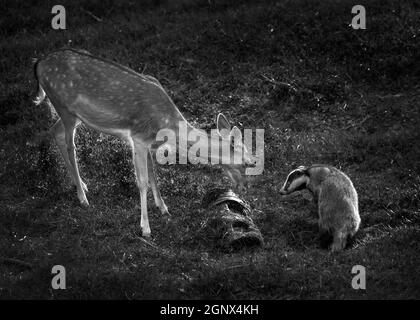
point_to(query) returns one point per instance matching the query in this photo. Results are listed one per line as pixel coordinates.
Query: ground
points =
(322, 91)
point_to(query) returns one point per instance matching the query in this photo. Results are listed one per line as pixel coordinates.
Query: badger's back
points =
(338, 202)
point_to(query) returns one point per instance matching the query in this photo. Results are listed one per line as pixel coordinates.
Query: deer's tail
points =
(40, 96)
(41, 93)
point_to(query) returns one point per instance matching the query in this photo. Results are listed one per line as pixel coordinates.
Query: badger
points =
(336, 199)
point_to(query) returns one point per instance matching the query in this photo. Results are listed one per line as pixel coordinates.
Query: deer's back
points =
(105, 94)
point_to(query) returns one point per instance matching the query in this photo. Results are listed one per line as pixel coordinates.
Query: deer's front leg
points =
(153, 183)
(140, 152)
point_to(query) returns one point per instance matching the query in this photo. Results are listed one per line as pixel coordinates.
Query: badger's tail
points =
(41, 93)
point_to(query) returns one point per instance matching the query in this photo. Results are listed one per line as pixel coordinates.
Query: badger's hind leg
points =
(339, 241)
(325, 238)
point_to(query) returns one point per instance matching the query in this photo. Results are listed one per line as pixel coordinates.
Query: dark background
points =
(323, 92)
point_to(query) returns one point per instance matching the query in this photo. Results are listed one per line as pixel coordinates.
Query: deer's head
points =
(235, 157)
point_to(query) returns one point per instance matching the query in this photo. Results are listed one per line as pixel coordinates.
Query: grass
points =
(352, 103)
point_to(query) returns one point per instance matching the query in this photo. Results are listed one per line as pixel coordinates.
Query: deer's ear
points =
(222, 123)
(236, 134)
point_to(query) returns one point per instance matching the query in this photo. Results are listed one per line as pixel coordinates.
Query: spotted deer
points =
(116, 100)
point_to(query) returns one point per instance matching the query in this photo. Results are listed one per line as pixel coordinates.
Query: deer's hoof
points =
(84, 203)
(146, 233)
(166, 213)
(146, 236)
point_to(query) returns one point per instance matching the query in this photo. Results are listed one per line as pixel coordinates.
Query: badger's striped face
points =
(296, 180)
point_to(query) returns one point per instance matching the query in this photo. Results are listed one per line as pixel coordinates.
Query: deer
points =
(116, 100)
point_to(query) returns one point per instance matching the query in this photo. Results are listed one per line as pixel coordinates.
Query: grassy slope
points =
(356, 108)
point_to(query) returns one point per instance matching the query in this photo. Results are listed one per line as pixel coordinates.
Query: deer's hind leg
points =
(63, 132)
(140, 155)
